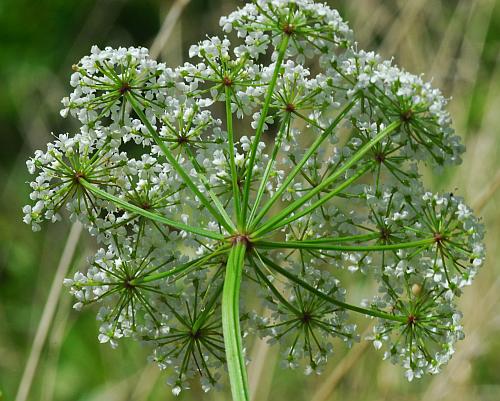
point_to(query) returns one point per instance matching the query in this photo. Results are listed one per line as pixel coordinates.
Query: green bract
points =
(245, 166)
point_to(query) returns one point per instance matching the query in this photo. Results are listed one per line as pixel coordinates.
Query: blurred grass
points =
(455, 42)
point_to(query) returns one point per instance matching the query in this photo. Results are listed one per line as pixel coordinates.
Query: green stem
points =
(305, 285)
(349, 238)
(218, 215)
(331, 178)
(328, 247)
(149, 215)
(273, 289)
(261, 123)
(270, 165)
(207, 309)
(232, 162)
(206, 184)
(231, 323)
(296, 170)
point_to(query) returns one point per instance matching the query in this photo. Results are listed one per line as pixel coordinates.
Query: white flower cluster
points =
(392, 93)
(304, 322)
(313, 173)
(316, 28)
(102, 79)
(421, 284)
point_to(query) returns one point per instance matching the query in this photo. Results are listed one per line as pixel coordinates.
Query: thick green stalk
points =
(232, 162)
(219, 214)
(231, 323)
(292, 277)
(330, 179)
(329, 247)
(147, 214)
(296, 170)
(261, 123)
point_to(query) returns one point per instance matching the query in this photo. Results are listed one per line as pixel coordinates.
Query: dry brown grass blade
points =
(481, 160)
(342, 368)
(48, 312)
(261, 370)
(167, 27)
(258, 358)
(469, 61)
(121, 389)
(56, 340)
(146, 383)
(488, 194)
(451, 40)
(402, 25)
(368, 17)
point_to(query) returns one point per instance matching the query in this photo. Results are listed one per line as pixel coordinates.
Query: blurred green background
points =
(454, 42)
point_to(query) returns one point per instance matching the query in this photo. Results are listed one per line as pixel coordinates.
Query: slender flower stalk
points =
(327, 247)
(302, 176)
(262, 120)
(232, 162)
(145, 213)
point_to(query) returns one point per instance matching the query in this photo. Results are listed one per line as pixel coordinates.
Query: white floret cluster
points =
(314, 172)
